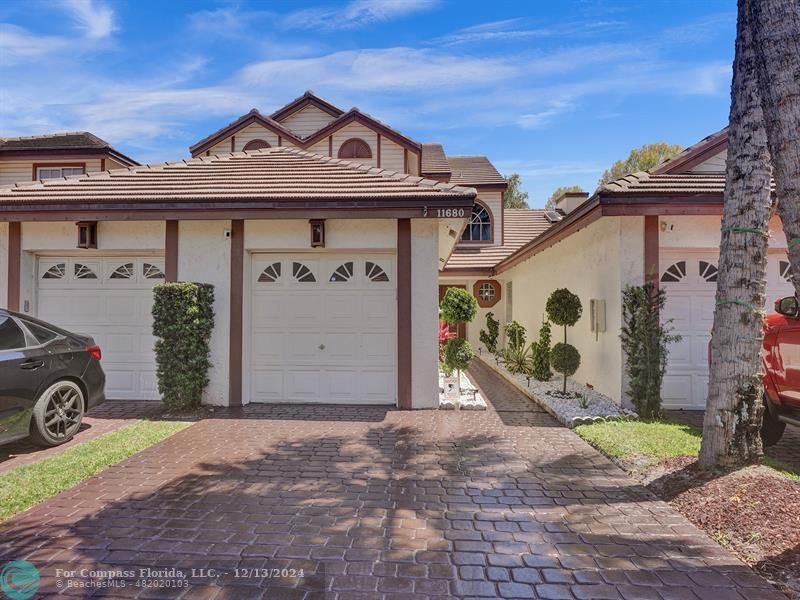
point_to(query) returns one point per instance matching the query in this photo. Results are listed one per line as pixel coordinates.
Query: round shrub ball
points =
(457, 354)
(564, 307)
(565, 358)
(458, 306)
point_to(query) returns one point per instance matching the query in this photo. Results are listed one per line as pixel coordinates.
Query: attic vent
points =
(553, 216)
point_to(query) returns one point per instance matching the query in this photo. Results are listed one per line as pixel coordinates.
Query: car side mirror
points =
(788, 307)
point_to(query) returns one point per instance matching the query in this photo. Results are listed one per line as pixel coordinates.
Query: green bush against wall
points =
(183, 319)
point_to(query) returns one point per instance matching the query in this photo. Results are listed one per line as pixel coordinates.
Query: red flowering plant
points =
(445, 335)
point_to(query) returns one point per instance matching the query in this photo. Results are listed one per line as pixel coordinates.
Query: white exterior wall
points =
(204, 256)
(4, 265)
(306, 121)
(595, 262)
(12, 171)
(121, 238)
(424, 313)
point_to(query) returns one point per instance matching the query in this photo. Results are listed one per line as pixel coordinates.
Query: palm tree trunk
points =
(776, 33)
(734, 406)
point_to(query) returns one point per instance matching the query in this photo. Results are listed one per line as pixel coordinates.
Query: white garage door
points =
(323, 328)
(689, 280)
(109, 299)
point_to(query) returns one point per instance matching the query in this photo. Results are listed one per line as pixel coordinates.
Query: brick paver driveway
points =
(378, 504)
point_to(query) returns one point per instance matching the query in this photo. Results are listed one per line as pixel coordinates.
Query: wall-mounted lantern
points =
(87, 234)
(317, 233)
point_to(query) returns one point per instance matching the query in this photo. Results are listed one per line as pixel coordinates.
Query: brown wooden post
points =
(14, 260)
(236, 314)
(171, 251)
(404, 314)
(651, 265)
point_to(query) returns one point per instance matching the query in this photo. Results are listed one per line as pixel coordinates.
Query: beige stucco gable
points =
(306, 121)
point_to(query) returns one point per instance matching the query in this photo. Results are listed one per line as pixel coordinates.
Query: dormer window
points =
(355, 148)
(479, 227)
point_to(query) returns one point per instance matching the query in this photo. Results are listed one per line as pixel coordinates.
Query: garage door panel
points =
(302, 385)
(114, 307)
(680, 352)
(329, 330)
(676, 391)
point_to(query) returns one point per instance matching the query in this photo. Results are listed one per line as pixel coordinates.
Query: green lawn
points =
(654, 439)
(30, 484)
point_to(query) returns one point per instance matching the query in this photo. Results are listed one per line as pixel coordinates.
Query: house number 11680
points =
(449, 212)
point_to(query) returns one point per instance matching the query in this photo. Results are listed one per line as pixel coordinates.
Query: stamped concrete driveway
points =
(351, 503)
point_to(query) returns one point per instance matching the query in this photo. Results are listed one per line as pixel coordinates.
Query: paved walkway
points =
(103, 419)
(383, 505)
(787, 450)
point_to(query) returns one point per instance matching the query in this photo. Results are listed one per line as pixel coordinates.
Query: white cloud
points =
(520, 29)
(386, 69)
(94, 18)
(18, 45)
(356, 13)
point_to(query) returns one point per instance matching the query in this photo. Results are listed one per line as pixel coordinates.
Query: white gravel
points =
(449, 399)
(599, 407)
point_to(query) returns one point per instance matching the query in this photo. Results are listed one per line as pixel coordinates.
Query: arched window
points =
(355, 148)
(479, 227)
(255, 145)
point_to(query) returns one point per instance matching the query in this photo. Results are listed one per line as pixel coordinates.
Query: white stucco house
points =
(329, 238)
(662, 226)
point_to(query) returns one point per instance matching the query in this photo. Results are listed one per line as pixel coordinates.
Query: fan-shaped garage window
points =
(708, 271)
(84, 272)
(375, 272)
(271, 273)
(785, 270)
(479, 228)
(343, 272)
(675, 272)
(302, 273)
(355, 148)
(55, 272)
(124, 271)
(152, 271)
(256, 145)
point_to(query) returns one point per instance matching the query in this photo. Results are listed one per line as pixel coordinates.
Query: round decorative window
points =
(487, 292)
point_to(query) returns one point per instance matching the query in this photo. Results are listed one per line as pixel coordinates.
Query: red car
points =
(781, 357)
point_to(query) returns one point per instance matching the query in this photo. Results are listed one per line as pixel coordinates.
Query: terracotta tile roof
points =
(714, 143)
(434, 160)
(53, 141)
(271, 174)
(473, 170)
(678, 183)
(520, 226)
(68, 142)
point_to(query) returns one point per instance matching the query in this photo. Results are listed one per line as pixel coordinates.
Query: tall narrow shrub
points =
(183, 319)
(489, 335)
(645, 341)
(458, 306)
(540, 368)
(564, 308)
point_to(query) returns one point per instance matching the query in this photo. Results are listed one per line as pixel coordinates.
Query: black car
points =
(49, 378)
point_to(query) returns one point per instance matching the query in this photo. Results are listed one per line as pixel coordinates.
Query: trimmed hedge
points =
(183, 319)
(565, 359)
(458, 354)
(458, 306)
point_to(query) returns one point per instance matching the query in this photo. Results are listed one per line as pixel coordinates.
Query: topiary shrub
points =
(489, 336)
(458, 306)
(565, 359)
(540, 360)
(457, 356)
(564, 308)
(183, 319)
(515, 335)
(645, 341)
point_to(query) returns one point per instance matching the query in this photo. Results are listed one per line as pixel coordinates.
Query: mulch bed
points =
(753, 511)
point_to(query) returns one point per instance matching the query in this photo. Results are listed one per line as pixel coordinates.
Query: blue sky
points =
(556, 91)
